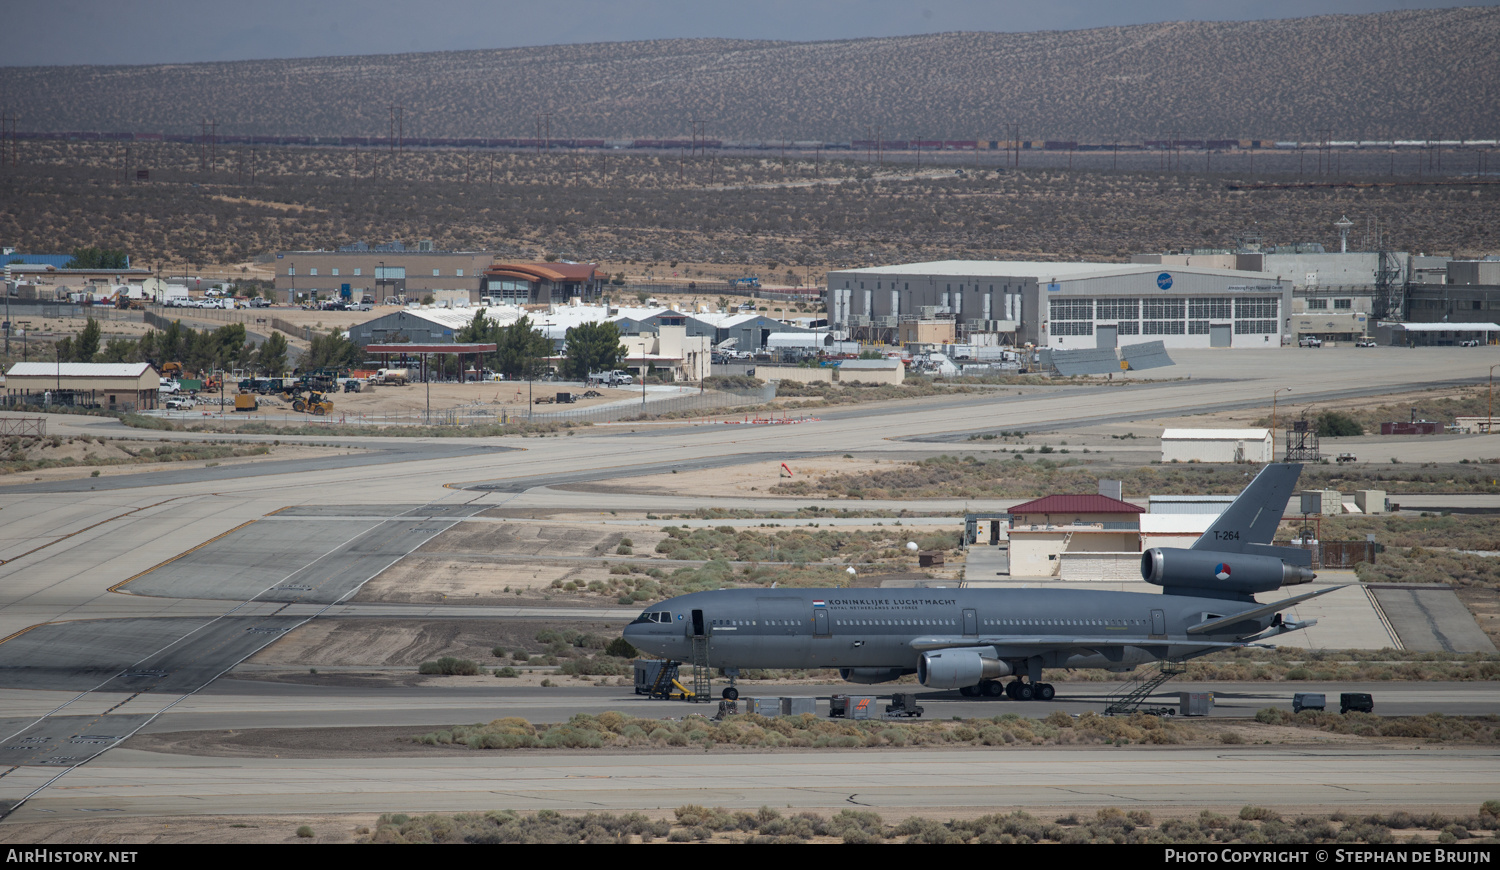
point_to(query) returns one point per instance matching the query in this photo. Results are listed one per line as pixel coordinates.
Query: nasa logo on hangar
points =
(1164, 280)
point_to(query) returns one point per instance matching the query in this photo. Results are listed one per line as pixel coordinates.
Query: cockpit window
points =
(661, 616)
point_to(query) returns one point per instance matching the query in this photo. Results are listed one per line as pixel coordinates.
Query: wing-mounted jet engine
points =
(957, 668)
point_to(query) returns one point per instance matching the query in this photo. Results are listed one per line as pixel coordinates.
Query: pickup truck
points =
(612, 379)
(1309, 341)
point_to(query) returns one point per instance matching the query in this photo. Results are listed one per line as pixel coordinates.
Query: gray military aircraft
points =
(970, 639)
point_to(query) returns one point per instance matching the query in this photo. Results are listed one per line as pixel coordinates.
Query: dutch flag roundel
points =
(1222, 571)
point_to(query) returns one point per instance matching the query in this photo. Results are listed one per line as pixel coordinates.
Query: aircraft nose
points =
(636, 636)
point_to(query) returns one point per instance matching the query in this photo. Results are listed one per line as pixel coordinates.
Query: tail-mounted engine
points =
(1221, 572)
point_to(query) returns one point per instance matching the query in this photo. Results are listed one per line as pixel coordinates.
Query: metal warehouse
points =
(1067, 305)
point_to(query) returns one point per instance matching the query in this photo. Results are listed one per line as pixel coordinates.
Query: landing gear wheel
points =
(731, 694)
(968, 691)
(1010, 689)
(1045, 692)
(993, 689)
(1025, 691)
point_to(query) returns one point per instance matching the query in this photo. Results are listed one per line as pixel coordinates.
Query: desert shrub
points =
(449, 666)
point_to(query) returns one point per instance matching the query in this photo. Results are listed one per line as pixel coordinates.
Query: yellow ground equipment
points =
(312, 403)
(245, 401)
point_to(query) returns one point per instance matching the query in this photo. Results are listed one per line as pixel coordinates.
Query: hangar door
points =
(1218, 335)
(1106, 336)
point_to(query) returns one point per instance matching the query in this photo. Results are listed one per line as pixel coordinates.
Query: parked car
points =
(1365, 342)
(1309, 341)
(1469, 342)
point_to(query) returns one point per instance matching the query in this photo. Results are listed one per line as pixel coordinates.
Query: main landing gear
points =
(1016, 690)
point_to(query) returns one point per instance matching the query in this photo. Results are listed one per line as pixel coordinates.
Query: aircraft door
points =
(971, 622)
(698, 630)
(820, 623)
(1158, 623)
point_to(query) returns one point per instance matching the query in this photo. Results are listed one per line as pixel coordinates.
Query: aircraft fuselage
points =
(891, 628)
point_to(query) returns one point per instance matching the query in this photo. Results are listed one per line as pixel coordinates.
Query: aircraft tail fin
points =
(1252, 518)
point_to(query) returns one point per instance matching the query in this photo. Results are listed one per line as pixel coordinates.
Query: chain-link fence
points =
(487, 414)
(704, 402)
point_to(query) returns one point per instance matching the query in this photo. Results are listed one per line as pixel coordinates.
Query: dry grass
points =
(1020, 476)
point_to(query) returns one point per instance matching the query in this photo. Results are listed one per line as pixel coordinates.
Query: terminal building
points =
(1065, 305)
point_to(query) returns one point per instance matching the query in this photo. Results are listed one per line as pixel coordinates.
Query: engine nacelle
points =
(956, 668)
(872, 675)
(1229, 572)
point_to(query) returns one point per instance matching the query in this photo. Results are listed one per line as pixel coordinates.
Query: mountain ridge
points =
(1405, 74)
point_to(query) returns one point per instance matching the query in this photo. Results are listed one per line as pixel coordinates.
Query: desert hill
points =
(1405, 74)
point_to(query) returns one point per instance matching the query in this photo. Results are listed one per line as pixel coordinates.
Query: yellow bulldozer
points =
(312, 403)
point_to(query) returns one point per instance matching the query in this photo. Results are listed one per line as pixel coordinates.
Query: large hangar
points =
(1069, 305)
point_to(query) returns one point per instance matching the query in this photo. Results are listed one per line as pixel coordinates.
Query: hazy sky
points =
(50, 32)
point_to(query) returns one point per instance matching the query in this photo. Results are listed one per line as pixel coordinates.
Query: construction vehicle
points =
(312, 403)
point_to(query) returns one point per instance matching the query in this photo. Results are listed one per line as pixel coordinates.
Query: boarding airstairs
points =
(1131, 694)
(702, 676)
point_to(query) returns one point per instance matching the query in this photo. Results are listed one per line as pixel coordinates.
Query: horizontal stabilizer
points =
(1264, 610)
(1291, 555)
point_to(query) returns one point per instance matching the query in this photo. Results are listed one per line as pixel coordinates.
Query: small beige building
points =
(670, 348)
(1216, 445)
(1076, 537)
(110, 386)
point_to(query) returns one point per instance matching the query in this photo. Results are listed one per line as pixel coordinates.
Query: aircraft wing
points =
(1063, 641)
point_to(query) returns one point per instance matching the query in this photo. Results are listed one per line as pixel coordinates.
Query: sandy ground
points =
(480, 562)
(742, 480)
(489, 398)
(384, 643)
(419, 579)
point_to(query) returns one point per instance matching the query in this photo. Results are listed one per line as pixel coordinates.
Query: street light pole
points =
(1489, 417)
(1273, 420)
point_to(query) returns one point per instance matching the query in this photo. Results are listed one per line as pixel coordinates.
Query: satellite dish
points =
(912, 546)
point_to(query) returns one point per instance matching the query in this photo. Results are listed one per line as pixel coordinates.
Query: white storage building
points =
(1216, 445)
